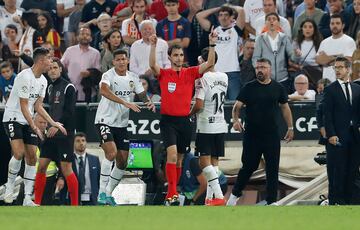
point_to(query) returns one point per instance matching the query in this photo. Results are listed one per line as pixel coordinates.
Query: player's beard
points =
(260, 77)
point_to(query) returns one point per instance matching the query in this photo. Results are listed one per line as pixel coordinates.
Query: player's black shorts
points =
(210, 144)
(118, 135)
(59, 148)
(15, 131)
(176, 131)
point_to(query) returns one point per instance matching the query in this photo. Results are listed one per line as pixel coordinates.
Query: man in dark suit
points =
(87, 169)
(341, 113)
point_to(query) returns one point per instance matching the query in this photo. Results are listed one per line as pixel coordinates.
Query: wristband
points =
(291, 128)
(212, 45)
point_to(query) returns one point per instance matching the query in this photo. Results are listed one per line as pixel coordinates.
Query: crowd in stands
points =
(299, 37)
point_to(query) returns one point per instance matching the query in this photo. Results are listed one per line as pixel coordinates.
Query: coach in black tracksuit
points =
(58, 147)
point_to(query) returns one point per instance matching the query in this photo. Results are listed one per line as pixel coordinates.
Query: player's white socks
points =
(14, 168)
(213, 181)
(209, 192)
(232, 200)
(115, 177)
(104, 174)
(29, 179)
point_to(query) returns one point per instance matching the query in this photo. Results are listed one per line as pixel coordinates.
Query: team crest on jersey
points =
(24, 89)
(104, 136)
(180, 27)
(57, 97)
(171, 87)
(132, 85)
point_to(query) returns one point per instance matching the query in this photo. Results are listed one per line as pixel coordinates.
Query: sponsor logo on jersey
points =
(126, 141)
(34, 95)
(123, 93)
(171, 87)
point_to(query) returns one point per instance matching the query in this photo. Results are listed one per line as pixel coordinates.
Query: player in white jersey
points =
(26, 96)
(211, 127)
(111, 120)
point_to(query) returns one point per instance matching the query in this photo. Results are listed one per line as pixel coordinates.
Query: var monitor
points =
(140, 155)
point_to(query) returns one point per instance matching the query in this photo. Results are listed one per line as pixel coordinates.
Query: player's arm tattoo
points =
(143, 97)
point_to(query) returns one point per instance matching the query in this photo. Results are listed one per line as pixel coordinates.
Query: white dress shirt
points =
(140, 52)
(342, 84)
(87, 192)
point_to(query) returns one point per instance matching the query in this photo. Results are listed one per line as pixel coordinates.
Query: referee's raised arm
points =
(152, 58)
(211, 58)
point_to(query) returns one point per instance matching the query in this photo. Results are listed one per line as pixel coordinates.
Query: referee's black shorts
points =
(58, 148)
(210, 144)
(176, 131)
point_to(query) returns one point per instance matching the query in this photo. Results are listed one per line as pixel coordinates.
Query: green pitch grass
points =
(184, 218)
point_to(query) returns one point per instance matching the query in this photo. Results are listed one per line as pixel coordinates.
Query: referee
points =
(177, 85)
(262, 98)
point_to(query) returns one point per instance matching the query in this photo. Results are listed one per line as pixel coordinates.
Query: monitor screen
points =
(140, 155)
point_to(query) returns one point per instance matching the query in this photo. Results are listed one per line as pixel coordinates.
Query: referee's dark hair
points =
(80, 134)
(205, 54)
(262, 60)
(174, 47)
(343, 59)
(119, 52)
(39, 53)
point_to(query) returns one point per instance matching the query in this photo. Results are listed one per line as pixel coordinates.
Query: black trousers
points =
(343, 171)
(254, 146)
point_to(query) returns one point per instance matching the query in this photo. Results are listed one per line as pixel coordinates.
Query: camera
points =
(320, 158)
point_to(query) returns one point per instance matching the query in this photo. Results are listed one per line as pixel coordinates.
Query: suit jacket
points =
(94, 170)
(337, 113)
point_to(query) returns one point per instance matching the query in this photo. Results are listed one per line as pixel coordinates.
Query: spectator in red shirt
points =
(158, 11)
(177, 84)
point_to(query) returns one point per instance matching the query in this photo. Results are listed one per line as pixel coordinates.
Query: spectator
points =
(140, 51)
(199, 37)
(311, 12)
(87, 169)
(302, 91)
(254, 9)
(104, 24)
(276, 47)
(174, 29)
(48, 33)
(227, 44)
(28, 41)
(336, 7)
(10, 14)
(8, 51)
(112, 41)
(355, 73)
(74, 21)
(339, 44)
(64, 8)
(130, 27)
(270, 7)
(93, 9)
(208, 4)
(247, 70)
(146, 84)
(6, 80)
(82, 61)
(354, 25)
(159, 12)
(306, 45)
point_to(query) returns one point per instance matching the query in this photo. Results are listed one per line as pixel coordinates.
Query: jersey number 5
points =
(219, 99)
